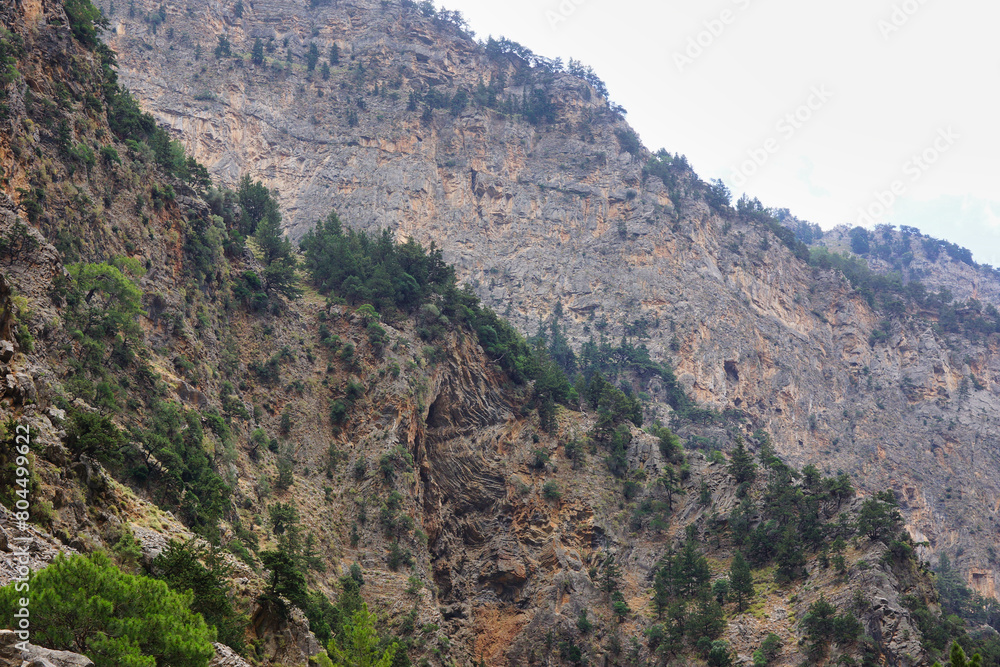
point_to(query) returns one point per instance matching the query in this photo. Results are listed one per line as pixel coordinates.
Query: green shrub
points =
(85, 21)
(629, 141)
(338, 412)
(87, 605)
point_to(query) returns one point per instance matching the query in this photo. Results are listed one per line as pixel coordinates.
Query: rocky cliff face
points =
(509, 534)
(560, 213)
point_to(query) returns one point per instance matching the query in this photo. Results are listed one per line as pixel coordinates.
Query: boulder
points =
(44, 657)
(227, 657)
(36, 656)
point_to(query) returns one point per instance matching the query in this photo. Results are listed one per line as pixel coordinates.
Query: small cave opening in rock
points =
(437, 414)
(732, 372)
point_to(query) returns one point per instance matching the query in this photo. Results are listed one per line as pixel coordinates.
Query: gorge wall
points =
(560, 214)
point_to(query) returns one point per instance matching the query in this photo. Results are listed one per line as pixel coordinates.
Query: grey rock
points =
(6, 351)
(226, 657)
(58, 658)
(57, 415)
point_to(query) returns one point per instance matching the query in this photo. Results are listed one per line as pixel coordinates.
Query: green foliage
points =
(95, 435)
(741, 465)
(669, 443)
(286, 580)
(257, 53)
(19, 241)
(403, 278)
(109, 155)
(629, 141)
(312, 56)
(204, 247)
(286, 471)
(823, 625)
(18, 481)
(103, 305)
(958, 599)
(11, 48)
(718, 196)
(186, 478)
(627, 361)
(399, 556)
(789, 556)
(181, 566)
(249, 289)
(614, 409)
(87, 605)
(740, 581)
(583, 623)
(895, 295)
(719, 654)
(86, 21)
(139, 129)
(550, 490)
(223, 49)
(936, 629)
(360, 645)
(768, 651)
(751, 210)
(284, 517)
(958, 658)
(879, 517)
(375, 270)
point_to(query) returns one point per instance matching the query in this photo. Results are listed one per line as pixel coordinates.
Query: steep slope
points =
(541, 195)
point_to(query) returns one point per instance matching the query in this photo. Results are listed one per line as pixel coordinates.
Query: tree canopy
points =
(87, 605)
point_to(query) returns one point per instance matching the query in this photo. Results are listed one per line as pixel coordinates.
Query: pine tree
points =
(791, 561)
(957, 658)
(691, 571)
(879, 517)
(741, 465)
(257, 55)
(359, 645)
(334, 55)
(740, 581)
(87, 605)
(611, 577)
(840, 488)
(671, 485)
(286, 580)
(312, 57)
(181, 567)
(662, 588)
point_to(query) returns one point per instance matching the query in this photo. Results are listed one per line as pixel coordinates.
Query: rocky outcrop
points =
(36, 656)
(226, 657)
(285, 634)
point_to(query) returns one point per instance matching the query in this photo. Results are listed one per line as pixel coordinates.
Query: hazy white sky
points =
(831, 109)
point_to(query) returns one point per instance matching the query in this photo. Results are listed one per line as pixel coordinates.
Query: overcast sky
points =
(844, 112)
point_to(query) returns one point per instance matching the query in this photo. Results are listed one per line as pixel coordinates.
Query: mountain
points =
(545, 200)
(300, 436)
